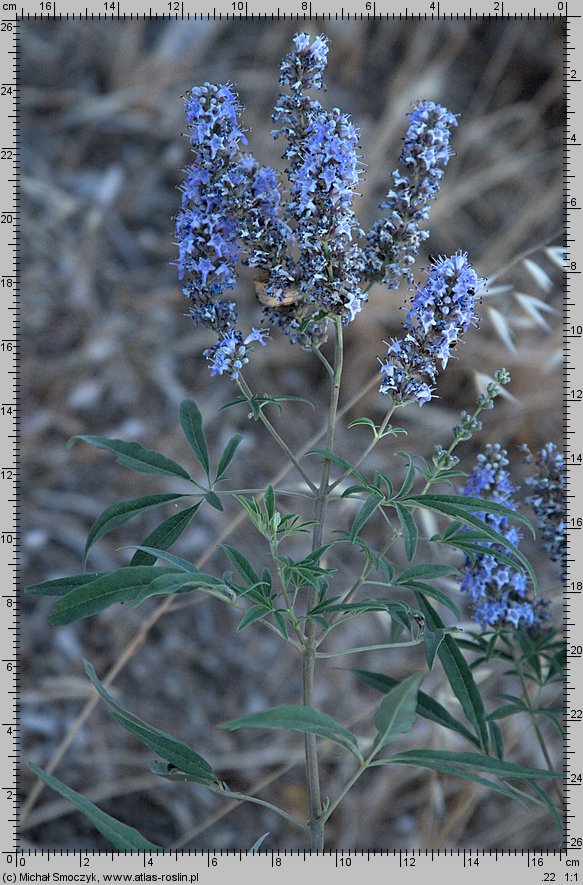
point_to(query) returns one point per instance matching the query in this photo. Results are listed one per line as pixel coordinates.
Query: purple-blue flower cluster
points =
(208, 225)
(395, 239)
(499, 592)
(303, 244)
(302, 68)
(547, 486)
(324, 170)
(443, 308)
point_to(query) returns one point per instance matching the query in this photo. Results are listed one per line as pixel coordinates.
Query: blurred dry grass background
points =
(108, 350)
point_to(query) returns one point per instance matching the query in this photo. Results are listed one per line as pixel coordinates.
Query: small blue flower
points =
(230, 353)
(395, 239)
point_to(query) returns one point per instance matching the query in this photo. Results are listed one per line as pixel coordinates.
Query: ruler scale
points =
(20, 865)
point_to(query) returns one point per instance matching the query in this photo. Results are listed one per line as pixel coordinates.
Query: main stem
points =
(308, 665)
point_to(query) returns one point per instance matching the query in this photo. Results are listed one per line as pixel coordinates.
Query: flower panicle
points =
(442, 310)
(546, 498)
(217, 193)
(501, 595)
(324, 169)
(395, 239)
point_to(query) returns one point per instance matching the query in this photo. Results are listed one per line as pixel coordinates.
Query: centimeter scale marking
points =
(28, 865)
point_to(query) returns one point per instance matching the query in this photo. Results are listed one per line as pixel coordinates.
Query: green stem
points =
(288, 603)
(309, 655)
(285, 492)
(245, 390)
(353, 651)
(242, 798)
(349, 784)
(378, 436)
(324, 362)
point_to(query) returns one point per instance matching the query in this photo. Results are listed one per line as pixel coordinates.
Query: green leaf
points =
(476, 549)
(121, 836)
(252, 510)
(62, 586)
(449, 505)
(366, 422)
(122, 512)
(414, 758)
(228, 456)
(476, 762)
(135, 456)
(429, 570)
(557, 817)
(180, 563)
(182, 582)
(459, 675)
(191, 423)
(364, 514)
(214, 500)
(433, 639)
(104, 591)
(280, 623)
(426, 706)
(409, 480)
(507, 710)
(396, 712)
(241, 564)
(174, 751)
(296, 718)
(253, 614)
(165, 535)
(496, 739)
(409, 527)
(473, 505)
(433, 593)
(269, 502)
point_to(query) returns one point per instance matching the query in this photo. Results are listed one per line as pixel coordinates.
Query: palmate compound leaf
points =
(174, 751)
(121, 836)
(296, 718)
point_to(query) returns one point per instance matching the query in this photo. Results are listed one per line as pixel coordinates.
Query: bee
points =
(292, 296)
